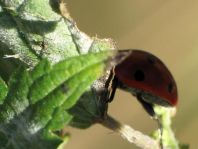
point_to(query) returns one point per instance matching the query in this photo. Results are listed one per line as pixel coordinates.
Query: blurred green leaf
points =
(184, 146)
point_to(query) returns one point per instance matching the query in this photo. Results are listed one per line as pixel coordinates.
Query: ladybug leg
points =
(149, 109)
(108, 93)
(147, 106)
(111, 86)
(113, 89)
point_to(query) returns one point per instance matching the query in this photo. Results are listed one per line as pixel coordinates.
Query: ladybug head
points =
(144, 73)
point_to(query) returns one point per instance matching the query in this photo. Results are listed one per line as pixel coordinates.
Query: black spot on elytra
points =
(139, 75)
(151, 60)
(170, 87)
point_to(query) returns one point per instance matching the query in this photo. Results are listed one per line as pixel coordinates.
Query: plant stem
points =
(133, 136)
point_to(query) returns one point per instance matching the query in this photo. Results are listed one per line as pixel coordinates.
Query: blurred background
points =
(168, 29)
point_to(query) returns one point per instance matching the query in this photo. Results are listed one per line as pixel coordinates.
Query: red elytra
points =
(148, 74)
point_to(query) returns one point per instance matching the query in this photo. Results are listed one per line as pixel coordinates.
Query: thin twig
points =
(133, 136)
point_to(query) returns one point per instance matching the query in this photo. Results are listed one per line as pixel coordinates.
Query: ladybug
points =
(146, 77)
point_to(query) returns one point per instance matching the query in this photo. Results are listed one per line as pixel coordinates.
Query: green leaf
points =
(63, 82)
(38, 101)
(51, 77)
(3, 90)
(88, 110)
(16, 100)
(61, 72)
